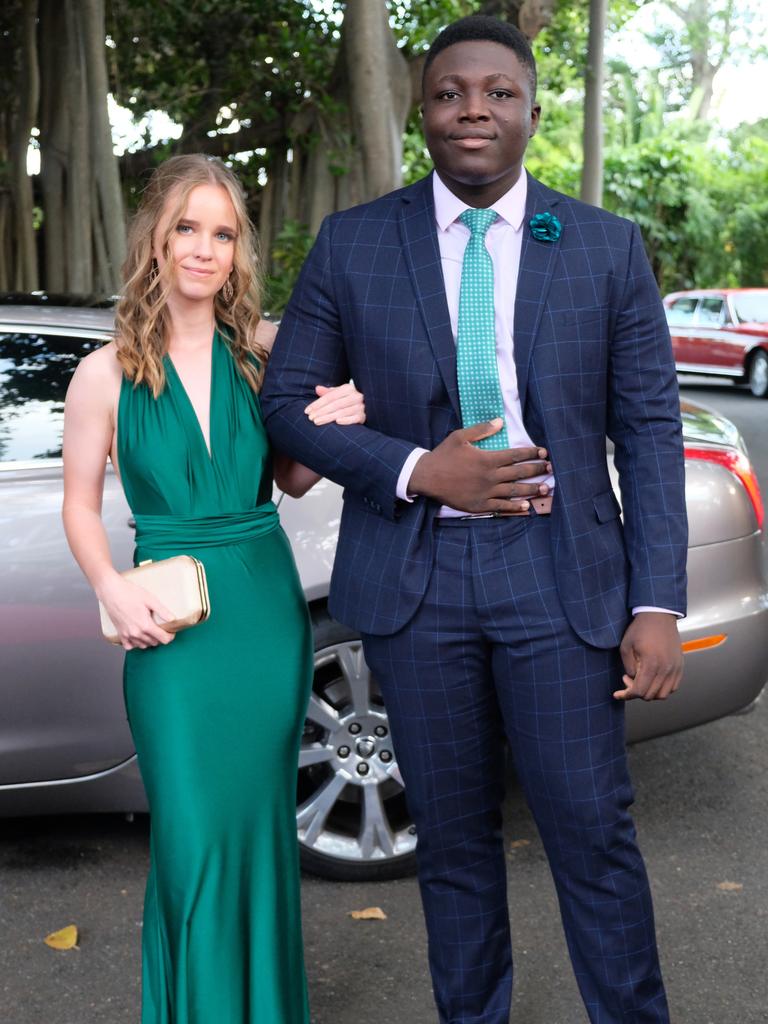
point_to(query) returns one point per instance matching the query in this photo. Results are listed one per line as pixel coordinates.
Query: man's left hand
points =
(652, 656)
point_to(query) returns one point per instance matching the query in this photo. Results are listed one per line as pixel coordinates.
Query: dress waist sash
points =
(170, 533)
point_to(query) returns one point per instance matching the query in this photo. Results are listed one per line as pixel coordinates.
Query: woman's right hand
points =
(135, 613)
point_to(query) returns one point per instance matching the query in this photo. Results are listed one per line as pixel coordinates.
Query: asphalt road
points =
(701, 815)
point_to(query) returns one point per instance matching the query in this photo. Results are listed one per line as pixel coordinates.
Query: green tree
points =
(700, 38)
(322, 99)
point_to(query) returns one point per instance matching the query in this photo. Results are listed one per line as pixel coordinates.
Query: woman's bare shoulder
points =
(265, 334)
(99, 372)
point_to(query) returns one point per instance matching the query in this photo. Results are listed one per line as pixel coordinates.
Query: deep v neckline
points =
(207, 444)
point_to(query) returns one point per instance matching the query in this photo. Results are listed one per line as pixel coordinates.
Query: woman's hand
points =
(343, 405)
(135, 613)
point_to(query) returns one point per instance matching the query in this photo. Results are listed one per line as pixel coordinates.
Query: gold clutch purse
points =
(178, 582)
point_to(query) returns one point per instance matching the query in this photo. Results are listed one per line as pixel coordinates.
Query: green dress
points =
(216, 715)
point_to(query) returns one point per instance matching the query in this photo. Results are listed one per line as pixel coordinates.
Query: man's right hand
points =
(471, 479)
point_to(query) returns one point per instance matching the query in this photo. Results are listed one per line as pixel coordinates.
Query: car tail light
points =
(703, 643)
(740, 466)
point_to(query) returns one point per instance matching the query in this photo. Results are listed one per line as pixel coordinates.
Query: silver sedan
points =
(64, 741)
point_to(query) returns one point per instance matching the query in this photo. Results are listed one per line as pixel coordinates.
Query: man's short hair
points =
(481, 28)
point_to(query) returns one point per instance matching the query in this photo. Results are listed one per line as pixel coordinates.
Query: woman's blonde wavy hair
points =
(142, 317)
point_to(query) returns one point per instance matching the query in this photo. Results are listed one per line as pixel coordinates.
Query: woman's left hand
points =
(343, 405)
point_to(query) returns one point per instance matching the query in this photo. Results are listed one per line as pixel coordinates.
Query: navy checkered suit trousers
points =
(593, 359)
(488, 654)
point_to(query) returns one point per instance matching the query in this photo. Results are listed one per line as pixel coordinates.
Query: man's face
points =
(478, 117)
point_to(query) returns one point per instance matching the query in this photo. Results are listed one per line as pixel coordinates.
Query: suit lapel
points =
(422, 253)
(537, 262)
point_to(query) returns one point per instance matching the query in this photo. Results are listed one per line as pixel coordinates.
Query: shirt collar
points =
(511, 206)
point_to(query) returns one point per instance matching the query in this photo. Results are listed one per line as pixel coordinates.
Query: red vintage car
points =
(721, 332)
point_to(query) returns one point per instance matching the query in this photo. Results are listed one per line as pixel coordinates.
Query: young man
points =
(493, 583)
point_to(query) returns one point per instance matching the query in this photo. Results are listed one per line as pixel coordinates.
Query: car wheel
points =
(351, 815)
(758, 374)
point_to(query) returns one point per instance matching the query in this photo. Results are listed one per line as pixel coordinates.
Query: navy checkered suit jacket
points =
(593, 359)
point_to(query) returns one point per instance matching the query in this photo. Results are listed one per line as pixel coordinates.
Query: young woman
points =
(216, 711)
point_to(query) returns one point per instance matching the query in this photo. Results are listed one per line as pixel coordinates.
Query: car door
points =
(715, 345)
(680, 317)
(60, 683)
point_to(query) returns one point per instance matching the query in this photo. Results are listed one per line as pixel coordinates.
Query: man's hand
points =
(456, 473)
(652, 656)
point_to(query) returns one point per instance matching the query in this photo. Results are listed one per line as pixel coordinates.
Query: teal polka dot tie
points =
(476, 366)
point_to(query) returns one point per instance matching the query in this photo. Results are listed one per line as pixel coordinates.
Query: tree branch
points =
(133, 165)
(677, 9)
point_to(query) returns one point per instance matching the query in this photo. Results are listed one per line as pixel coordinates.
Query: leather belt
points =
(539, 506)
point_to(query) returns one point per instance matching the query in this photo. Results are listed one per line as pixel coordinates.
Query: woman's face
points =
(201, 247)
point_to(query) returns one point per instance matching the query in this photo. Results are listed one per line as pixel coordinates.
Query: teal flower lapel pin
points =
(545, 227)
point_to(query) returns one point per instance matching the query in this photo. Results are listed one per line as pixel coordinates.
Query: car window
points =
(680, 313)
(711, 311)
(35, 370)
(751, 307)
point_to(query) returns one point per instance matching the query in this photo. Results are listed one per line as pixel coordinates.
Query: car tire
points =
(352, 819)
(757, 374)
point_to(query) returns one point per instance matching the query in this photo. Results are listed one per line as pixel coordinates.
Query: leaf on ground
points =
(517, 843)
(369, 914)
(65, 938)
(730, 886)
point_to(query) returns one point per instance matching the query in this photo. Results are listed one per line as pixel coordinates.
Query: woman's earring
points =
(227, 291)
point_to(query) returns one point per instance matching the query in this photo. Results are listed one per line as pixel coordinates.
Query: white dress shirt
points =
(504, 243)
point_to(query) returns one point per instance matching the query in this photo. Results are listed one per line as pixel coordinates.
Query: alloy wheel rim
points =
(759, 375)
(351, 799)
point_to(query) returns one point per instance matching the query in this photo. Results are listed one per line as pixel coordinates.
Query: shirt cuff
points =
(405, 474)
(647, 608)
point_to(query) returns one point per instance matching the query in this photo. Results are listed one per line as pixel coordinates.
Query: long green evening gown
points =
(216, 715)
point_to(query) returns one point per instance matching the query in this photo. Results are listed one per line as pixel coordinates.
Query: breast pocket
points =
(579, 317)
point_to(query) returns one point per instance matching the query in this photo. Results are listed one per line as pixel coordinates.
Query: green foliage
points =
(698, 196)
(191, 59)
(290, 250)
(417, 22)
(749, 244)
(650, 182)
(214, 65)
(700, 201)
(736, 179)
(416, 161)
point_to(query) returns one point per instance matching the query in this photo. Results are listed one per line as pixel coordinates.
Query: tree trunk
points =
(701, 34)
(109, 218)
(5, 242)
(265, 222)
(24, 276)
(77, 204)
(592, 171)
(379, 94)
(54, 135)
(534, 15)
(83, 219)
(702, 96)
(104, 281)
(320, 187)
